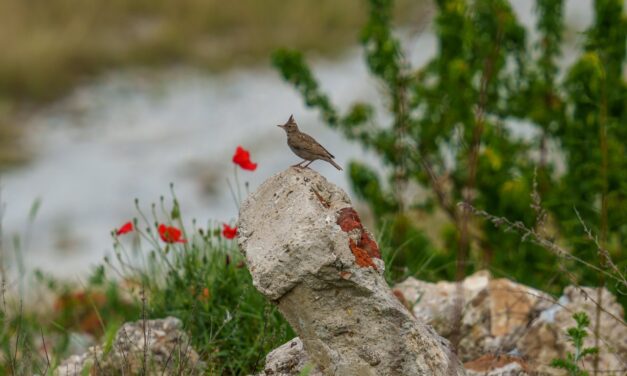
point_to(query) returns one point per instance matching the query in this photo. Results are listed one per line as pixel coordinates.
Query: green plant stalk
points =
(603, 216)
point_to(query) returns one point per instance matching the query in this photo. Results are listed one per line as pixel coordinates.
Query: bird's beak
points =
(280, 125)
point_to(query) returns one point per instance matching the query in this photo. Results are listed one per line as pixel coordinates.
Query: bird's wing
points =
(316, 147)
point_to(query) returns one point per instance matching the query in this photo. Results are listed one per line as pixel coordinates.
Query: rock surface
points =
(289, 359)
(308, 252)
(508, 329)
(495, 311)
(503, 317)
(168, 352)
(546, 338)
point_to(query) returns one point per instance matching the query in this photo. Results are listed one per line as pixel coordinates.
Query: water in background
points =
(131, 134)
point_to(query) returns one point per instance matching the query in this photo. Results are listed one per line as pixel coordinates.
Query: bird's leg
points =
(299, 164)
(308, 163)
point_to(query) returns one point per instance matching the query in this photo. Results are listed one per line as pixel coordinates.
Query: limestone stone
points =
(434, 303)
(546, 338)
(308, 252)
(167, 349)
(289, 359)
(501, 316)
(495, 311)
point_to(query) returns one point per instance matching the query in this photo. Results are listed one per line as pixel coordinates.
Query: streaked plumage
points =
(305, 146)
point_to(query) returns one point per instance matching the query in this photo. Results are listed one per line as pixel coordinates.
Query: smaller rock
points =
(502, 316)
(435, 302)
(167, 349)
(495, 311)
(546, 337)
(289, 359)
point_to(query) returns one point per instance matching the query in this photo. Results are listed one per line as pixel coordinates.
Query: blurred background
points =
(102, 103)
(105, 102)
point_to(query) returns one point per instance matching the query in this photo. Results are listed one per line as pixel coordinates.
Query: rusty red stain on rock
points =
(361, 257)
(369, 245)
(366, 248)
(348, 219)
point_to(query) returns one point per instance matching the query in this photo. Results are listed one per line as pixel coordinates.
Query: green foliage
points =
(593, 136)
(34, 342)
(451, 133)
(576, 336)
(18, 337)
(233, 325)
(204, 283)
(297, 73)
(366, 185)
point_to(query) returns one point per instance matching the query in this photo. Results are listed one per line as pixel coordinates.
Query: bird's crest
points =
(290, 126)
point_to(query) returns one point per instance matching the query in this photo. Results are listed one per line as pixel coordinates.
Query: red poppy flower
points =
(242, 158)
(170, 234)
(228, 231)
(125, 229)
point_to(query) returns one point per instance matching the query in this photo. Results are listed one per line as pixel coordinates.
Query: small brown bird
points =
(305, 146)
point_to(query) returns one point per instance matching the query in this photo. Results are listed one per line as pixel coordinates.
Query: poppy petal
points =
(229, 232)
(125, 229)
(242, 159)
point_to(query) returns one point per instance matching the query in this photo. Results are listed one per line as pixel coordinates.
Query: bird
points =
(305, 146)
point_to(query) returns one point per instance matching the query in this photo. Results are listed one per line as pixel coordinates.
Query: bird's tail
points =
(334, 164)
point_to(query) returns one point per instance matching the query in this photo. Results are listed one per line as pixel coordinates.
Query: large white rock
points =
(308, 252)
